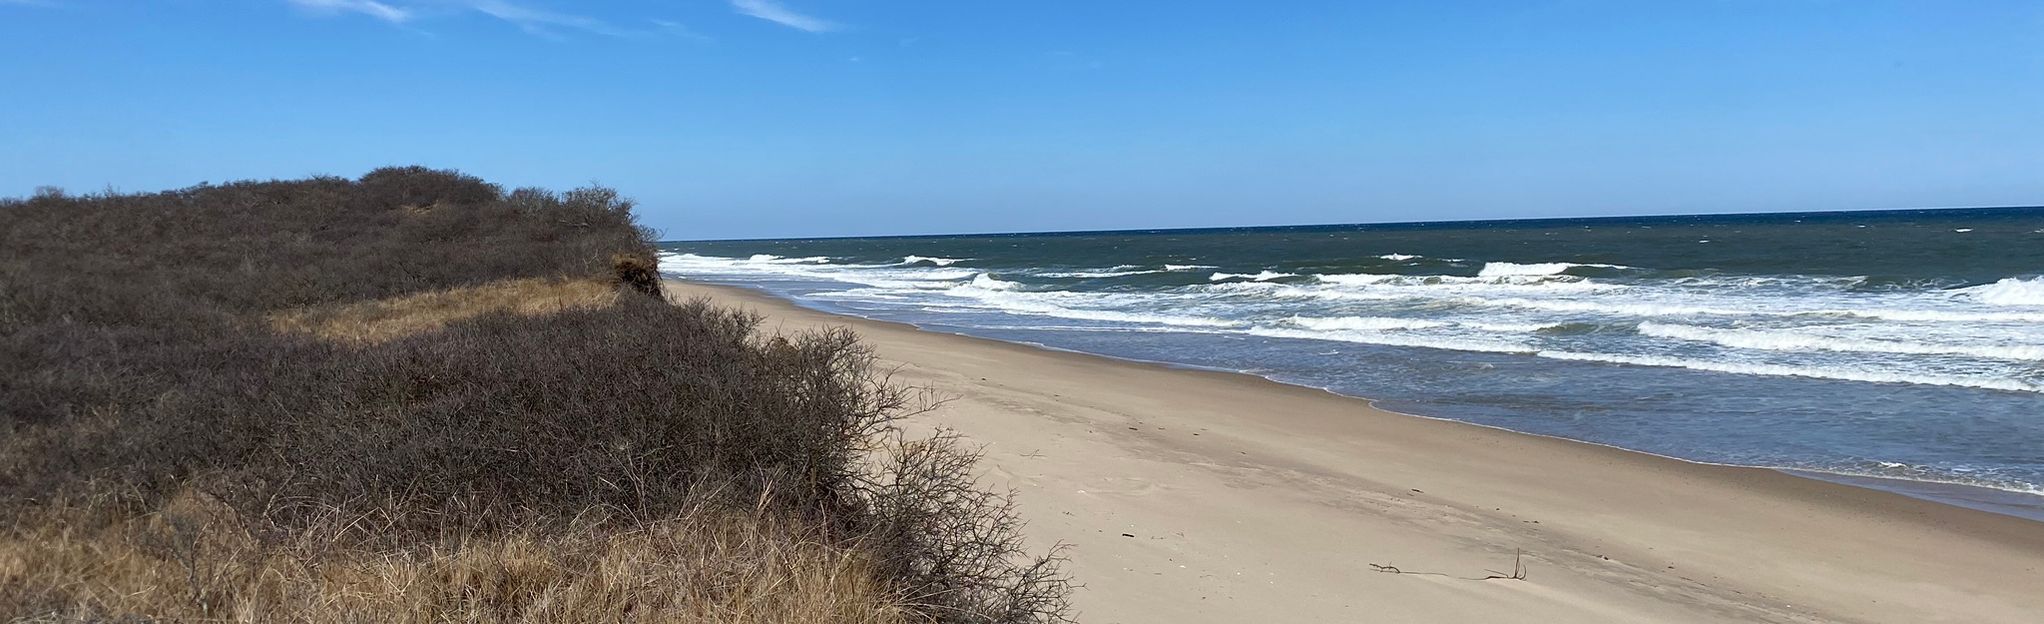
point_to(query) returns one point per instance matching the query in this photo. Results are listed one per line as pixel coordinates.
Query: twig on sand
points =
(1518, 570)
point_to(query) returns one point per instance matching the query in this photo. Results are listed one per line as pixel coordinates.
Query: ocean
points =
(1901, 350)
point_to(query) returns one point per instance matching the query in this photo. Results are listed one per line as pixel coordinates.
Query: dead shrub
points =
(640, 273)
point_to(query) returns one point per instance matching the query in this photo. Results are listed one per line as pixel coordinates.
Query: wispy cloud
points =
(772, 11)
(538, 21)
(370, 8)
(543, 22)
(681, 30)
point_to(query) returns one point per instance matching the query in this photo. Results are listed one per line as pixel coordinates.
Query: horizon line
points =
(1218, 228)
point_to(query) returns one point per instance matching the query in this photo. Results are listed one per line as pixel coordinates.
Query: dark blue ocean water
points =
(1907, 346)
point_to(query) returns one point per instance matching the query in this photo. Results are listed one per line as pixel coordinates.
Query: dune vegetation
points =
(415, 397)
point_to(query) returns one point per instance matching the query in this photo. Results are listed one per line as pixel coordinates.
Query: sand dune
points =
(1189, 496)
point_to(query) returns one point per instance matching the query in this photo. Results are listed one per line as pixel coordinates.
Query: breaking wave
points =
(1495, 269)
(2012, 291)
(770, 258)
(1120, 271)
(1264, 276)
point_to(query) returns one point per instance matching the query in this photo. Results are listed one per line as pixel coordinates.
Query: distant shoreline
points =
(1448, 489)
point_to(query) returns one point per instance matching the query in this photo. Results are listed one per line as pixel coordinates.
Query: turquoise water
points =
(1907, 346)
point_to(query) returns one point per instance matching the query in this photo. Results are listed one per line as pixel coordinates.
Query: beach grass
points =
(196, 559)
(383, 320)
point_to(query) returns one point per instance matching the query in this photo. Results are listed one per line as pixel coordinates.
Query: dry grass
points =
(388, 319)
(195, 561)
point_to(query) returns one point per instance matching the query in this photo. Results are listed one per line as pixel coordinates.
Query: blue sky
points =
(767, 118)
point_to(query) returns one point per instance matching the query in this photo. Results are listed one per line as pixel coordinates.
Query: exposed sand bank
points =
(1190, 496)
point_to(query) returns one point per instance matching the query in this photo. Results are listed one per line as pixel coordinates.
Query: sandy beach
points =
(1190, 496)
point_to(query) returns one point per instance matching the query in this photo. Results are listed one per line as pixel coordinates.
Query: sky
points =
(784, 118)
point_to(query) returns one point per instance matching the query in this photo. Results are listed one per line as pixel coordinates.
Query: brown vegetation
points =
(195, 560)
(416, 397)
(385, 319)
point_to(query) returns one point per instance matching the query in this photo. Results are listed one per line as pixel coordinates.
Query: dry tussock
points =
(383, 320)
(195, 560)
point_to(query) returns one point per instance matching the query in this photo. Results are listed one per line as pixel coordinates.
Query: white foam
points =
(1443, 284)
(1394, 339)
(864, 294)
(1138, 317)
(769, 267)
(943, 274)
(932, 260)
(1264, 276)
(1383, 323)
(1802, 342)
(2011, 291)
(1509, 328)
(1230, 288)
(688, 262)
(1779, 370)
(1116, 272)
(985, 281)
(1678, 309)
(1187, 267)
(1052, 304)
(1407, 324)
(1496, 269)
(1398, 257)
(1937, 315)
(1365, 323)
(1614, 308)
(773, 259)
(1358, 279)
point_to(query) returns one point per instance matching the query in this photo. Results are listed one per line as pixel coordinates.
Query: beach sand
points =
(1190, 496)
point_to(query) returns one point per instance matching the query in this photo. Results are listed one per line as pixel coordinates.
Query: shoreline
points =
(1591, 515)
(2021, 504)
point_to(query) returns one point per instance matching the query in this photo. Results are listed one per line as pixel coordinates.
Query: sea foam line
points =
(1655, 309)
(1777, 340)
(1394, 339)
(1778, 370)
